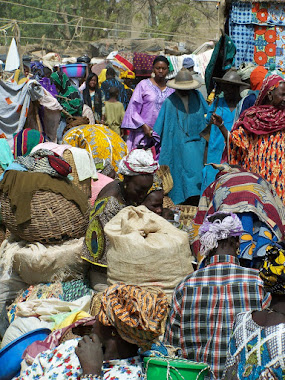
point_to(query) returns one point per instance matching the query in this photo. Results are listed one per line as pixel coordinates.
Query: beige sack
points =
(146, 250)
(36, 262)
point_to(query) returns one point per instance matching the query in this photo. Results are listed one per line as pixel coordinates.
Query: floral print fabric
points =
(62, 363)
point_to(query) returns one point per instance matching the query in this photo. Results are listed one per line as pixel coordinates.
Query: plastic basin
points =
(11, 355)
(156, 368)
(74, 70)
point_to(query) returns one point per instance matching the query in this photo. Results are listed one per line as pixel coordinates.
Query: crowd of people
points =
(226, 158)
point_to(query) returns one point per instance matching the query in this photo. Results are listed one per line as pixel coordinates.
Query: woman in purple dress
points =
(145, 105)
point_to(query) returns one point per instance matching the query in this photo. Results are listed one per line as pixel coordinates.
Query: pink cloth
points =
(56, 148)
(97, 186)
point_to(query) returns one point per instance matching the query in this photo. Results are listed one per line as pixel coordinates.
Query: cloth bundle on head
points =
(26, 140)
(211, 232)
(156, 185)
(257, 77)
(136, 313)
(138, 162)
(273, 270)
(51, 60)
(245, 70)
(127, 74)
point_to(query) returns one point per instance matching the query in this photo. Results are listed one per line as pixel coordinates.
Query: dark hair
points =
(114, 92)
(90, 76)
(160, 58)
(110, 72)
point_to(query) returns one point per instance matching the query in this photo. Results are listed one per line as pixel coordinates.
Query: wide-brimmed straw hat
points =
(231, 77)
(183, 81)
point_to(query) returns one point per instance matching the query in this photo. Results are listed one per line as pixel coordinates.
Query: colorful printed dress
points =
(96, 243)
(260, 154)
(99, 140)
(255, 352)
(63, 363)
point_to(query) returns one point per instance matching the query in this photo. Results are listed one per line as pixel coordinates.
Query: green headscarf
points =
(72, 103)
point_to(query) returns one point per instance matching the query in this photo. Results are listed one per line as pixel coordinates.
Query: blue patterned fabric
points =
(241, 30)
(256, 237)
(241, 12)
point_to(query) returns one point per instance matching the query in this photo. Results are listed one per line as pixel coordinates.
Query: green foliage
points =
(62, 19)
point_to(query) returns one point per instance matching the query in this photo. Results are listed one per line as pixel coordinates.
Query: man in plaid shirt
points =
(205, 303)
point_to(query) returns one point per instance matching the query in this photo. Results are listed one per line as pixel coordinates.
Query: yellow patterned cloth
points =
(99, 140)
(273, 270)
(136, 313)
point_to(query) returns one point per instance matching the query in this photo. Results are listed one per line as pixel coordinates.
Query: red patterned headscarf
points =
(262, 119)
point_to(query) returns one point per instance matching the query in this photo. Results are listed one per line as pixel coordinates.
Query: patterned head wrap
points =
(269, 84)
(136, 313)
(273, 270)
(156, 185)
(137, 162)
(127, 74)
(211, 232)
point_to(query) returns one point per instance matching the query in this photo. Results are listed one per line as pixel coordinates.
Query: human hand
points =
(217, 120)
(90, 354)
(147, 130)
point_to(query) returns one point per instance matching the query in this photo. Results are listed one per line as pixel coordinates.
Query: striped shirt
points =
(204, 306)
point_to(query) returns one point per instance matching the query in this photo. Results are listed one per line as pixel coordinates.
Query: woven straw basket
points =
(167, 202)
(53, 218)
(164, 173)
(85, 185)
(187, 214)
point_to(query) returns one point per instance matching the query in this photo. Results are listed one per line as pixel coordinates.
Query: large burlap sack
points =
(146, 250)
(10, 285)
(36, 262)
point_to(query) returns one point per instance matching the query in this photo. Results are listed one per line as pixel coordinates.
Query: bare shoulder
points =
(111, 189)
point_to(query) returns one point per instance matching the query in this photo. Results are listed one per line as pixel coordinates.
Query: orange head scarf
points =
(257, 77)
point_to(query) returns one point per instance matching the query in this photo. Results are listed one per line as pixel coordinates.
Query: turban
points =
(257, 77)
(136, 313)
(138, 162)
(273, 270)
(211, 232)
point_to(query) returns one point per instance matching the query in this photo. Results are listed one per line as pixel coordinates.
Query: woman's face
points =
(136, 188)
(154, 202)
(278, 96)
(160, 69)
(93, 83)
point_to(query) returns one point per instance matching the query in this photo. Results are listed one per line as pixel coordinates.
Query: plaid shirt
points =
(204, 306)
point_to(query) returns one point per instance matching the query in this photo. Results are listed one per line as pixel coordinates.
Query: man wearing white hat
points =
(179, 124)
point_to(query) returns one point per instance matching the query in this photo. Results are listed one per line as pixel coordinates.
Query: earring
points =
(113, 333)
(125, 186)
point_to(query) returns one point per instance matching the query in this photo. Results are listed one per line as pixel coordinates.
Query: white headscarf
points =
(137, 162)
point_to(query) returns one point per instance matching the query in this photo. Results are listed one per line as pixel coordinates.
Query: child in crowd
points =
(114, 111)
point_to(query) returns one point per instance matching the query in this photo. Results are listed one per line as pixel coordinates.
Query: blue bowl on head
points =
(11, 355)
(74, 70)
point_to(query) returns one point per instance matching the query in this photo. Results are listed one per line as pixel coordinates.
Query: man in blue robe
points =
(179, 124)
